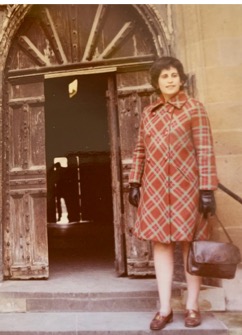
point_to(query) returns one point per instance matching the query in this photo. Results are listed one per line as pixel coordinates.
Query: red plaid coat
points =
(173, 159)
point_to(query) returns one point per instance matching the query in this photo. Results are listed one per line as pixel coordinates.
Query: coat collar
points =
(177, 101)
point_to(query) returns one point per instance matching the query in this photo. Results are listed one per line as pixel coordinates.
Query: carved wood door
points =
(54, 39)
(25, 225)
(134, 94)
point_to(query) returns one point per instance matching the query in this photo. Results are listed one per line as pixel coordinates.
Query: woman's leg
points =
(193, 283)
(164, 265)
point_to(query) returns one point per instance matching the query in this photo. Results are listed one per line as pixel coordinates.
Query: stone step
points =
(117, 323)
(211, 299)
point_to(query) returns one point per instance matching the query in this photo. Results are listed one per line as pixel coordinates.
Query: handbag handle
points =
(199, 222)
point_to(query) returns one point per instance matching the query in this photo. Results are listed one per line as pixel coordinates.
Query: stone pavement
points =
(232, 320)
(101, 323)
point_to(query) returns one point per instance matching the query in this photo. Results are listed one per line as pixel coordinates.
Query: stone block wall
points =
(208, 39)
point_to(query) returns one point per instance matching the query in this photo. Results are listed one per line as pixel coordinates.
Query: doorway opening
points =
(78, 159)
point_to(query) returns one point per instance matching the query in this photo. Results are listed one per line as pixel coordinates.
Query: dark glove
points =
(207, 202)
(134, 194)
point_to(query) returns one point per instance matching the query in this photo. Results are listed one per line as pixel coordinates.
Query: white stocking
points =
(164, 265)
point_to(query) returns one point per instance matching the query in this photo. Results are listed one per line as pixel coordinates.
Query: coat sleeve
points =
(203, 142)
(138, 163)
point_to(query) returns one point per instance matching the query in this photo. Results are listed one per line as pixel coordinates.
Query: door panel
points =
(25, 232)
(37, 208)
(131, 100)
(37, 132)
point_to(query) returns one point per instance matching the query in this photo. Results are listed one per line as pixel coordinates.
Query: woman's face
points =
(169, 82)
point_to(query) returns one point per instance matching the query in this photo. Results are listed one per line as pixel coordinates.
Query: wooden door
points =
(24, 217)
(134, 93)
(54, 39)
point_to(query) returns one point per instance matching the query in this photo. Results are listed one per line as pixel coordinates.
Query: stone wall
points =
(208, 39)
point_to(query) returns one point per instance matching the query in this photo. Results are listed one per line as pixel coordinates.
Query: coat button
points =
(153, 113)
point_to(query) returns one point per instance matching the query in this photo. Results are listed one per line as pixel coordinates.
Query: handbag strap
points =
(225, 231)
(199, 222)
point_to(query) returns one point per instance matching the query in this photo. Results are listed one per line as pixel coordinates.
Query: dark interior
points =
(77, 132)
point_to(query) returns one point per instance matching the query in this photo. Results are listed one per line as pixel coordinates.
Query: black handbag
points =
(211, 258)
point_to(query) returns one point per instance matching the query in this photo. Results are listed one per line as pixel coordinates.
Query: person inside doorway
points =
(172, 179)
(60, 188)
(64, 189)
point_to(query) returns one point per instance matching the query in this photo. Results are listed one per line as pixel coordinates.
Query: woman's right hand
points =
(207, 202)
(134, 194)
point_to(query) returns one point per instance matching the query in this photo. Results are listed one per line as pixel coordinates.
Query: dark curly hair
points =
(165, 63)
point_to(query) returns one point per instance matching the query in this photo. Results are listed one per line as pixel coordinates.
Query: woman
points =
(172, 179)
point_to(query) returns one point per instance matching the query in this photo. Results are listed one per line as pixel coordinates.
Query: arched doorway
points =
(112, 44)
